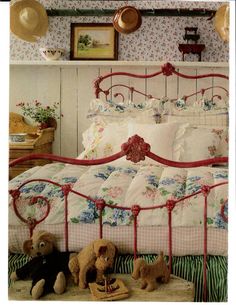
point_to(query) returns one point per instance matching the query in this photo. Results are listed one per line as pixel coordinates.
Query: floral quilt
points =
(144, 185)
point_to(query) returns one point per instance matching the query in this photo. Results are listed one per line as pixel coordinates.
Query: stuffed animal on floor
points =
(150, 273)
(47, 267)
(98, 256)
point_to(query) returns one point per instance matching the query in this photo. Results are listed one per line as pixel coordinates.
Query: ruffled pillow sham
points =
(163, 138)
(110, 111)
(173, 141)
(197, 117)
(198, 144)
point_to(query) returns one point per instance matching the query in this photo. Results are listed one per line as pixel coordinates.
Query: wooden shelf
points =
(73, 63)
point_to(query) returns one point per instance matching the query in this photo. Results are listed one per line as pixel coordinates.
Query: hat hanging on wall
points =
(127, 19)
(221, 22)
(28, 20)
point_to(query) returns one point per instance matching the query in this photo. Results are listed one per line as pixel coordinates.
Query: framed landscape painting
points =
(95, 41)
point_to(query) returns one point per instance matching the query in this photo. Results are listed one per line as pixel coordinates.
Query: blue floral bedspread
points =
(144, 185)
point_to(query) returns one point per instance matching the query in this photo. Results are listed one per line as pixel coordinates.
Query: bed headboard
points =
(167, 70)
(72, 87)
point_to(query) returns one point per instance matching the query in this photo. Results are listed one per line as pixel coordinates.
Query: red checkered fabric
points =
(186, 240)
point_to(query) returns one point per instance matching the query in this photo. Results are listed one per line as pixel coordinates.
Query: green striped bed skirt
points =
(189, 268)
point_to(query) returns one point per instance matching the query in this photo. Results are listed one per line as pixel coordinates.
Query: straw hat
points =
(127, 20)
(28, 20)
(221, 22)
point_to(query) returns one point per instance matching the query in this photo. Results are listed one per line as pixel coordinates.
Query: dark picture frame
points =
(93, 41)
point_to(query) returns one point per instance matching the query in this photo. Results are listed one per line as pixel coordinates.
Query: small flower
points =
(39, 113)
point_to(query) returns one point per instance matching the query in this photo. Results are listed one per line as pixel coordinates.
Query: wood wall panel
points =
(203, 83)
(221, 82)
(156, 86)
(69, 110)
(187, 86)
(86, 77)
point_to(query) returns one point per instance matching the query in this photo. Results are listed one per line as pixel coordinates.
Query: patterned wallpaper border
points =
(156, 40)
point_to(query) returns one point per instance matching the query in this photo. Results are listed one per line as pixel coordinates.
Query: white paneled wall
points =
(72, 86)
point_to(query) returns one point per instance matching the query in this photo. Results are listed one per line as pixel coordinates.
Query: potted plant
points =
(44, 116)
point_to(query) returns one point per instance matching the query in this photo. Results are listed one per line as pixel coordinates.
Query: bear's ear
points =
(27, 246)
(49, 237)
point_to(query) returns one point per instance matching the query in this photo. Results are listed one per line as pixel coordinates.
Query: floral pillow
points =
(204, 104)
(93, 134)
(199, 144)
(112, 111)
(223, 135)
(106, 142)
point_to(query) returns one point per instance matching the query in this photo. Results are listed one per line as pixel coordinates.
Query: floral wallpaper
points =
(156, 40)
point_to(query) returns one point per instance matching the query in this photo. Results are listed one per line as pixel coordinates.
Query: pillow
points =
(164, 138)
(92, 135)
(204, 103)
(196, 116)
(198, 144)
(223, 149)
(111, 111)
(222, 133)
(108, 142)
(115, 134)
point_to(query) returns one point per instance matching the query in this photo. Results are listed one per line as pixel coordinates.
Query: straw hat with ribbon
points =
(127, 20)
(221, 22)
(28, 20)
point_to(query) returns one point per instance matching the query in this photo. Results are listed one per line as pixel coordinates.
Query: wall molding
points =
(74, 63)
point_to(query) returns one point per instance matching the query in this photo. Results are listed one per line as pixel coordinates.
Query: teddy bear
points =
(96, 258)
(150, 273)
(47, 267)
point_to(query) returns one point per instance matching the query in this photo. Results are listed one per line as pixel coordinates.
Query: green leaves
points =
(39, 113)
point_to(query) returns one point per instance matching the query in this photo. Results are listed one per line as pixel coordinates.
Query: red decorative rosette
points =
(66, 189)
(167, 69)
(170, 204)
(15, 193)
(135, 149)
(100, 204)
(205, 190)
(135, 209)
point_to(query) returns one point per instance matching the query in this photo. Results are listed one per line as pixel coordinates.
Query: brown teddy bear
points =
(149, 273)
(98, 256)
(47, 268)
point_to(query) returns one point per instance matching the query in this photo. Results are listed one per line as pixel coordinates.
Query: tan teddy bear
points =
(149, 273)
(99, 255)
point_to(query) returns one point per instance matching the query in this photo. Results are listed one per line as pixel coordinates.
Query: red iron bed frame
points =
(135, 150)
